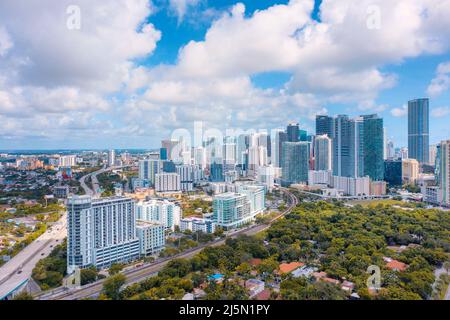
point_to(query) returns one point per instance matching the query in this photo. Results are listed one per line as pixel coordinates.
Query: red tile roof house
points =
(255, 262)
(285, 268)
(395, 265)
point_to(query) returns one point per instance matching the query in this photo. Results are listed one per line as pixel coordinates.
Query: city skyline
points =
(185, 64)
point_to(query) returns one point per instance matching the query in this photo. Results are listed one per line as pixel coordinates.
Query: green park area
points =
(337, 240)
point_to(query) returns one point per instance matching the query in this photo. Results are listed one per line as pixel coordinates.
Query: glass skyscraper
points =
(293, 132)
(295, 162)
(393, 172)
(418, 130)
(358, 147)
(322, 153)
(216, 171)
(347, 147)
(280, 138)
(325, 125)
(373, 147)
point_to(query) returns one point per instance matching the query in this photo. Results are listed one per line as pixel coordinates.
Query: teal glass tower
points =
(295, 160)
(418, 130)
(373, 147)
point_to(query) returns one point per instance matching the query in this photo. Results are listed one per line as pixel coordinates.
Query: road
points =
(95, 183)
(437, 274)
(18, 270)
(146, 271)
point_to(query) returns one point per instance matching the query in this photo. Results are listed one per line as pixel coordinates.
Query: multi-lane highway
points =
(17, 271)
(95, 183)
(145, 271)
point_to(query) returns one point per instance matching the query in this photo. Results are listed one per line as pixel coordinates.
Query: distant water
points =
(72, 151)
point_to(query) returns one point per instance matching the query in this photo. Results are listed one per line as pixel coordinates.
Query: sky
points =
(127, 73)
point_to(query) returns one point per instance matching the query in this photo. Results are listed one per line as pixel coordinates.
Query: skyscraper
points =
(293, 132)
(433, 152)
(243, 143)
(163, 153)
(393, 172)
(303, 135)
(437, 164)
(418, 130)
(229, 153)
(280, 137)
(390, 151)
(186, 173)
(171, 150)
(295, 162)
(148, 169)
(100, 232)
(216, 171)
(167, 182)
(111, 158)
(410, 171)
(322, 153)
(373, 147)
(358, 147)
(347, 147)
(200, 157)
(325, 125)
(444, 174)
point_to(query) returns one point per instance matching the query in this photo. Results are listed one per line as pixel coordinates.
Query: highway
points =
(18, 270)
(140, 273)
(95, 183)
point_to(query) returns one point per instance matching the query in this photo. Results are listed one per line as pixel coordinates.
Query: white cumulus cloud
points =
(442, 80)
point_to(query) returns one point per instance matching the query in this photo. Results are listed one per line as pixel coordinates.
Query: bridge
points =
(95, 183)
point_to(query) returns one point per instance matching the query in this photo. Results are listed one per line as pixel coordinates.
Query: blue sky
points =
(130, 77)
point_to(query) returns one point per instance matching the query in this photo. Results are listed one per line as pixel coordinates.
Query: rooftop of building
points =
(395, 264)
(289, 267)
(228, 195)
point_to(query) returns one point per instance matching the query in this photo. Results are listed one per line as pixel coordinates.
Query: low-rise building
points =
(356, 187)
(254, 287)
(61, 192)
(395, 265)
(319, 178)
(195, 224)
(432, 194)
(378, 188)
(285, 268)
(151, 237)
